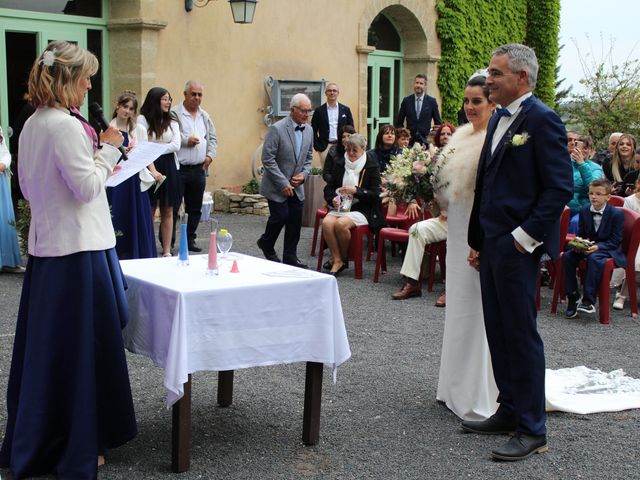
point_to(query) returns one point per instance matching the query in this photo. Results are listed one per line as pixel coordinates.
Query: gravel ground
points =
(381, 420)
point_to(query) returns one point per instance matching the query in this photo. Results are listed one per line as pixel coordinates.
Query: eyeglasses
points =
(331, 90)
(196, 94)
(308, 112)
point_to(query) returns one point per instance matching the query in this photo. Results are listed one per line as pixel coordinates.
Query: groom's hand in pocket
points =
(519, 247)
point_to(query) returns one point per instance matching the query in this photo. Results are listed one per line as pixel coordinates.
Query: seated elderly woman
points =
(354, 198)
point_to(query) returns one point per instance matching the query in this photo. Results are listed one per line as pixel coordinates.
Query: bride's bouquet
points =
(408, 175)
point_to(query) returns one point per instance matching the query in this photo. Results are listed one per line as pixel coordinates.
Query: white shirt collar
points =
(515, 105)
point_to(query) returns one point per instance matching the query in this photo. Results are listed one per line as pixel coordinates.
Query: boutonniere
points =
(517, 140)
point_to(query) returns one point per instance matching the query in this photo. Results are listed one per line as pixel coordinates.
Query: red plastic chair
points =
(616, 201)
(398, 219)
(556, 265)
(395, 236)
(437, 253)
(398, 235)
(320, 214)
(630, 242)
(355, 249)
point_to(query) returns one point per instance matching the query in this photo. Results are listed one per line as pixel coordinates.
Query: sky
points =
(605, 22)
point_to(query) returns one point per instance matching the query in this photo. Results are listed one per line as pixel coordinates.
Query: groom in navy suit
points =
(419, 110)
(524, 181)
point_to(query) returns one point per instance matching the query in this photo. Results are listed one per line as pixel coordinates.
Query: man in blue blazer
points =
(328, 120)
(604, 225)
(419, 110)
(286, 158)
(524, 181)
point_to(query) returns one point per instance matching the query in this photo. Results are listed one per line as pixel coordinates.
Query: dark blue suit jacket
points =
(320, 124)
(523, 186)
(419, 127)
(609, 234)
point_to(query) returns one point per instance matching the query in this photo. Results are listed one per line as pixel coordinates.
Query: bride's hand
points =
(474, 259)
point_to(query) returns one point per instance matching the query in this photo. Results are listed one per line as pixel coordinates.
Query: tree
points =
(612, 99)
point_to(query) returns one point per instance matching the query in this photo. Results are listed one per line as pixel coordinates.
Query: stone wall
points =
(231, 202)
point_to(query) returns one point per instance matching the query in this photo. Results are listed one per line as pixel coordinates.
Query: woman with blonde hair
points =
(68, 396)
(621, 162)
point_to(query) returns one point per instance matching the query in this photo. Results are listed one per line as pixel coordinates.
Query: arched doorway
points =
(384, 75)
(414, 24)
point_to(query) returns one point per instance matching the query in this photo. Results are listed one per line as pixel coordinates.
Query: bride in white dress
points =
(466, 384)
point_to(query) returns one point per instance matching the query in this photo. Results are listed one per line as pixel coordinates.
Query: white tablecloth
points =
(267, 314)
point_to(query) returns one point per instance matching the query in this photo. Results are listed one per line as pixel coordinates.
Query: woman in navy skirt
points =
(68, 397)
(130, 206)
(162, 127)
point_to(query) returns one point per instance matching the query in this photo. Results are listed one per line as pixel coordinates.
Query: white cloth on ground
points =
(583, 390)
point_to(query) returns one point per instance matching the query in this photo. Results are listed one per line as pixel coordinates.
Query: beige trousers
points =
(429, 231)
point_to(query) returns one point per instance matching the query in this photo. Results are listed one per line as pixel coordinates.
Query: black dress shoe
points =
(521, 446)
(295, 262)
(493, 425)
(268, 255)
(194, 248)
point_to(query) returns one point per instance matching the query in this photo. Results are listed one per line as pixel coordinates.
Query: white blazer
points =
(64, 183)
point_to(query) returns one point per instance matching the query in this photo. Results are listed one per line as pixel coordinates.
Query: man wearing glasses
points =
(328, 119)
(197, 151)
(286, 157)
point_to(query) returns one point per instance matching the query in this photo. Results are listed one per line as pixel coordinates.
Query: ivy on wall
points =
(470, 29)
(543, 28)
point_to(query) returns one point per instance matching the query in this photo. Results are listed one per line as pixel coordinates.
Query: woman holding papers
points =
(130, 206)
(68, 396)
(162, 127)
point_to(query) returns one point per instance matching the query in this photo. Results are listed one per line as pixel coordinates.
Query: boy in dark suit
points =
(602, 224)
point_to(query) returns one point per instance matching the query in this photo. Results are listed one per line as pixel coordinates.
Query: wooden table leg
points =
(181, 431)
(312, 399)
(225, 388)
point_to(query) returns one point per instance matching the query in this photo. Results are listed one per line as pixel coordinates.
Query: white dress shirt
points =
(171, 136)
(332, 113)
(193, 127)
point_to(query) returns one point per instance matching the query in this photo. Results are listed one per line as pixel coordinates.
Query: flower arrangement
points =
(409, 173)
(580, 245)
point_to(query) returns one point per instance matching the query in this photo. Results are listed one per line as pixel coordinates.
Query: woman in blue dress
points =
(68, 396)
(10, 260)
(130, 205)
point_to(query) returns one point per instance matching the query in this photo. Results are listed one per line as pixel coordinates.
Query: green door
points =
(23, 35)
(382, 97)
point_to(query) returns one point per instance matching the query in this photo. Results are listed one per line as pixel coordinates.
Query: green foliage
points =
(470, 29)
(251, 187)
(562, 94)
(23, 221)
(611, 102)
(315, 171)
(543, 28)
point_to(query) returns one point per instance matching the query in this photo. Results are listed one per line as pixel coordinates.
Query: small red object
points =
(234, 267)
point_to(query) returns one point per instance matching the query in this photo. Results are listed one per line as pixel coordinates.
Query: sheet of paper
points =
(139, 157)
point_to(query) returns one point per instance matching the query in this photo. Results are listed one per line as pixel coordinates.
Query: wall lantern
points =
(242, 10)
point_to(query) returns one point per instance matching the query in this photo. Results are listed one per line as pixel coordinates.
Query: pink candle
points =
(213, 252)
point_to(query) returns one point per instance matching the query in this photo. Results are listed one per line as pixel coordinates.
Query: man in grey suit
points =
(286, 158)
